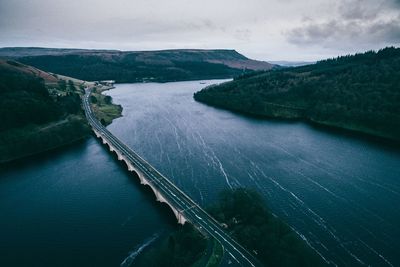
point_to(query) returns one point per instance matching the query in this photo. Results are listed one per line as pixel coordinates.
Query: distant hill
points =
(359, 92)
(19, 52)
(136, 66)
(292, 63)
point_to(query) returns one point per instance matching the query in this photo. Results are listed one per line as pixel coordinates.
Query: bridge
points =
(184, 208)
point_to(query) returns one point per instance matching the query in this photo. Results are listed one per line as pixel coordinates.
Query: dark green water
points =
(79, 207)
(75, 207)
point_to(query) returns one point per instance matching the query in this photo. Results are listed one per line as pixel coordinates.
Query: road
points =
(176, 197)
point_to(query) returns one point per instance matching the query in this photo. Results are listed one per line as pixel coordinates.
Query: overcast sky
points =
(260, 29)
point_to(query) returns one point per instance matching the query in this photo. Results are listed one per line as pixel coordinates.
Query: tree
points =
(107, 99)
(71, 85)
(62, 85)
(93, 99)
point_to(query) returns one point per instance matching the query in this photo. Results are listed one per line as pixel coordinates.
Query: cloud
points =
(338, 32)
(243, 34)
(263, 29)
(360, 9)
(356, 23)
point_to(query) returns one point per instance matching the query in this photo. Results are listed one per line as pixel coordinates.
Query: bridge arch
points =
(159, 197)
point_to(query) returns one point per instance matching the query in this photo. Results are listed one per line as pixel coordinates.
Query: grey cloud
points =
(342, 34)
(243, 34)
(316, 33)
(360, 9)
(359, 23)
(254, 27)
(389, 31)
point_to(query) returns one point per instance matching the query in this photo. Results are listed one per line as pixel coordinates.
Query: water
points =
(78, 206)
(340, 192)
(74, 207)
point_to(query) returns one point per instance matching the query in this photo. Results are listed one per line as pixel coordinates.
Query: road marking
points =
(233, 257)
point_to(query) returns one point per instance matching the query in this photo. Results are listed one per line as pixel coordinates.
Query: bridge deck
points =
(183, 206)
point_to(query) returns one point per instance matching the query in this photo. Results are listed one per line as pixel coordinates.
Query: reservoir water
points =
(78, 206)
(75, 207)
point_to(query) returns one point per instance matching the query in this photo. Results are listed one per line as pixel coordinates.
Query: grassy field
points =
(103, 107)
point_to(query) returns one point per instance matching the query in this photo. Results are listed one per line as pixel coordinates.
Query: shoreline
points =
(103, 107)
(328, 126)
(61, 138)
(73, 130)
(46, 150)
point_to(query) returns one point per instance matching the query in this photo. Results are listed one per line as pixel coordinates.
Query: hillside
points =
(359, 92)
(39, 111)
(137, 66)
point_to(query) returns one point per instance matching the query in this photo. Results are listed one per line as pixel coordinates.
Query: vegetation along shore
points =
(359, 92)
(246, 217)
(42, 111)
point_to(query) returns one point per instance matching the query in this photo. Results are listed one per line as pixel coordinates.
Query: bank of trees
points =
(167, 66)
(30, 139)
(24, 99)
(250, 222)
(32, 120)
(180, 249)
(359, 92)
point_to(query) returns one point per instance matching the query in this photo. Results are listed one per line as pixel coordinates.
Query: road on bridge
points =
(187, 208)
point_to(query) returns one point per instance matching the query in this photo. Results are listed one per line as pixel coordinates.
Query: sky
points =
(293, 30)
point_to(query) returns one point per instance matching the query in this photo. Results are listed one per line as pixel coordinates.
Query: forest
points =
(358, 92)
(33, 119)
(93, 68)
(137, 66)
(24, 99)
(181, 248)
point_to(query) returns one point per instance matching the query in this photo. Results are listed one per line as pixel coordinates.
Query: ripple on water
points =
(336, 191)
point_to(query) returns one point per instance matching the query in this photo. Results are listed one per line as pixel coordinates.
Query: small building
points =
(107, 83)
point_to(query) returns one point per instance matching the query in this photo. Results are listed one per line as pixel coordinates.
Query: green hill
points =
(136, 66)
(39, 111)
(358, 92)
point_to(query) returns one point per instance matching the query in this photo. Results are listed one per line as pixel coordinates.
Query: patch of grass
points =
(103, 107)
